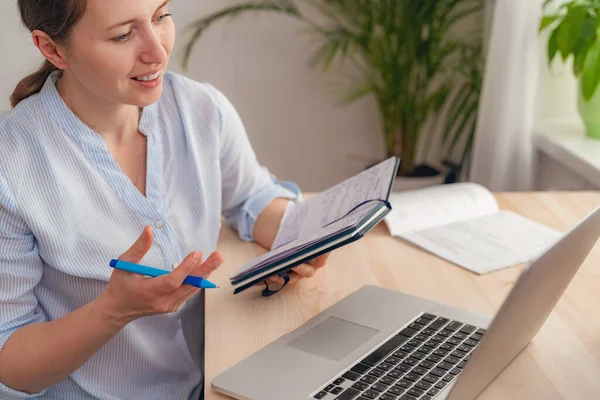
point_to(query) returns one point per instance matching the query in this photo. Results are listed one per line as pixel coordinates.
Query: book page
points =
(419, 209)
(486, 243)
(306, 218)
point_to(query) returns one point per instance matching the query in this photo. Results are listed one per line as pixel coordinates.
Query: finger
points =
(204, 269)
(173, 280)
(182, 294)
(141, 246)
(304, 270)
(275, 283)
(319, 261)
(294, 278)
(182, 291)
(214, 261)
(184, 298)
(275, 280)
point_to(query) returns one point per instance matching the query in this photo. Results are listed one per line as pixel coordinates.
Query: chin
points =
(147, 99)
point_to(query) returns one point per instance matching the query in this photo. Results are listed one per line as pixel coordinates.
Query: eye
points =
(123, 38)
(163, 17)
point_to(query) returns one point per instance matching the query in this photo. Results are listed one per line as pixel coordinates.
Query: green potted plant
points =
(459, 126)
(573, 32)
(404, 53)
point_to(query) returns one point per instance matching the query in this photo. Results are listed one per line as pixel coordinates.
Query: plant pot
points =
(590, 112)
(422, 176)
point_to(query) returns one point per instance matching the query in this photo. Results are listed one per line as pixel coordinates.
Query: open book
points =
(331, 219)
(463, 224)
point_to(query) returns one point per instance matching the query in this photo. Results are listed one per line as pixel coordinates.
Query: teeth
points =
(148, 78)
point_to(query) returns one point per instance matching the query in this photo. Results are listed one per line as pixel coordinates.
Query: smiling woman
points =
(111, 59)
(102, 144)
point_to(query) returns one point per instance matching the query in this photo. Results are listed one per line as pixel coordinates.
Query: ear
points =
(50, 49)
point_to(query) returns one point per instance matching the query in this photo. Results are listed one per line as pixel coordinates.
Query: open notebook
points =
(331, 219)
(462, 223)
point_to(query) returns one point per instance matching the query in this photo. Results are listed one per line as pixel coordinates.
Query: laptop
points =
(381, 344)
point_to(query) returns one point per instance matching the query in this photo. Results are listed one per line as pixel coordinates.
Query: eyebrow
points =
(133, 20)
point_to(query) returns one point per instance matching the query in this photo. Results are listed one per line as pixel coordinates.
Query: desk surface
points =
(562, 361)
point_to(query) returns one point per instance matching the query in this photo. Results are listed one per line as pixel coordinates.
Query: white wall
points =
(18, 57)
(558, 88)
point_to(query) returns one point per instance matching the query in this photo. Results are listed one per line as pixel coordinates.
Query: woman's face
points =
(120, 49)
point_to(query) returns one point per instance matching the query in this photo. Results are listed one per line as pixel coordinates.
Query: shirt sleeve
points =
(20, 272)
(247, 187)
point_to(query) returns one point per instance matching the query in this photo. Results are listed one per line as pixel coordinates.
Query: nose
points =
(153, 51)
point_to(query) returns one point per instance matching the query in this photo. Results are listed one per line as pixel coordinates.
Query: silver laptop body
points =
(378, 343)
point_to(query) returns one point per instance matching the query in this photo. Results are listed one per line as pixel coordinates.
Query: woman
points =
(104, 144)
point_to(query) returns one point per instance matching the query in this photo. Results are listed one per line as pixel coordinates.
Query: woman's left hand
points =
(305, 270)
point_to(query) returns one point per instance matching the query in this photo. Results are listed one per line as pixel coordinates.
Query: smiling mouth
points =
(147, 77)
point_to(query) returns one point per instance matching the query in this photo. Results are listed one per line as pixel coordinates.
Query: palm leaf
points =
(460, 15)
(458, 103)
(466, 116)
(358, 92)
(336, 44)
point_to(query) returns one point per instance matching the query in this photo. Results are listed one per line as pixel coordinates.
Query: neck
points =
(115, 122)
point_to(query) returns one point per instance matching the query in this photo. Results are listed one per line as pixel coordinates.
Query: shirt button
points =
(159, 224)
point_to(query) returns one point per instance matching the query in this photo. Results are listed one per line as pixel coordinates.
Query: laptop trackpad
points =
(333, 338)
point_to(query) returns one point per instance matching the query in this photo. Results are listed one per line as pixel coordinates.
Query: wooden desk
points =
(562, 361)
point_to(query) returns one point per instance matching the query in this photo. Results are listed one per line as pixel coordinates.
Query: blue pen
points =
(145, 270)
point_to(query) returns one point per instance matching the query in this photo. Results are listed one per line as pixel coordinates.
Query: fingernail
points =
(196, 256)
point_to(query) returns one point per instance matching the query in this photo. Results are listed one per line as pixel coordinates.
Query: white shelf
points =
(565, 142)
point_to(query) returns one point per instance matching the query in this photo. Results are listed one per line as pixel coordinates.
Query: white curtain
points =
(503, 157)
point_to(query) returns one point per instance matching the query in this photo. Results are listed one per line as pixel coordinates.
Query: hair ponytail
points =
(56, 18)
(32, 84)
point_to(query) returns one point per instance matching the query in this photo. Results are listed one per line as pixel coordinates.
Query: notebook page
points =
(486, 243)
(306, 218)
(419, 209)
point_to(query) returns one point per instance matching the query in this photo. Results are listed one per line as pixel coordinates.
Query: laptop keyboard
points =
(416, 363)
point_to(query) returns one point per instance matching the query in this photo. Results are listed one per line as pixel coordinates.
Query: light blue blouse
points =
(66, 209)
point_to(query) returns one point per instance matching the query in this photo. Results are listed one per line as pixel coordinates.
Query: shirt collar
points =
(70, 123)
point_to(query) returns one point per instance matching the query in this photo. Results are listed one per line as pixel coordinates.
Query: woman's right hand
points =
(129, 296)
